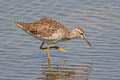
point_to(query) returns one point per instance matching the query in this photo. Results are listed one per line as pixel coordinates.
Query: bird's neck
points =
(72, 35)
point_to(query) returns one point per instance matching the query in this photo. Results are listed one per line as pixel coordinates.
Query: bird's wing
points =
(44, 27)
(43, 30)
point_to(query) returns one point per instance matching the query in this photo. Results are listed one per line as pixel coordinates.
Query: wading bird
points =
(50, 31)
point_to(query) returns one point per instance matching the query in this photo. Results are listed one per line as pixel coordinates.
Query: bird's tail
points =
(22, 24)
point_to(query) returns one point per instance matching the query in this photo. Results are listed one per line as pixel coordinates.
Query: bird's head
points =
(79, 32)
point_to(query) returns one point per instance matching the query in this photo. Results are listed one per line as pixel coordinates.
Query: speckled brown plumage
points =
(50, 31)
(44, 28)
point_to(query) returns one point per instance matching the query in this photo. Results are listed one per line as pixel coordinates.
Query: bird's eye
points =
(81, 33)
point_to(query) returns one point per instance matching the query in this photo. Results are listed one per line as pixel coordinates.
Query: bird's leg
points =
(42, 47)
(47, 51)
(49, 64)
(56, 47)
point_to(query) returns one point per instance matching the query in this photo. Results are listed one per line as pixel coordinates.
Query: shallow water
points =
(21, 59)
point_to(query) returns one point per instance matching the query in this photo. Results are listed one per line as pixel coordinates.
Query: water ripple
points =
(21, 58)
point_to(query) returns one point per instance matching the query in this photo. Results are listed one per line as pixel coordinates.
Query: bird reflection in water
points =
(63, 71)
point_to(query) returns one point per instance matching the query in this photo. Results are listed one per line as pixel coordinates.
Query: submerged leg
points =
(47, 51)
(49, 64)
(56, 47)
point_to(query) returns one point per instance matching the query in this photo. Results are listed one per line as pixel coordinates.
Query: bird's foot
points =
(62, 50)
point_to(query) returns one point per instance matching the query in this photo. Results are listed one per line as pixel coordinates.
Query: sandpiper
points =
(50, 31)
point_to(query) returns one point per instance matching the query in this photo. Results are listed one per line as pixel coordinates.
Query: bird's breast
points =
(58, 36)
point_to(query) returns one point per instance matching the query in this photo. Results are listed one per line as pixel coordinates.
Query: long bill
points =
(87, 42)
(84, 38)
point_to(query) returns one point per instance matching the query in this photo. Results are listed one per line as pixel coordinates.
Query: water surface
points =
(21, 58)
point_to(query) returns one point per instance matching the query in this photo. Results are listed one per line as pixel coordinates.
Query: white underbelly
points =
(55, 38)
